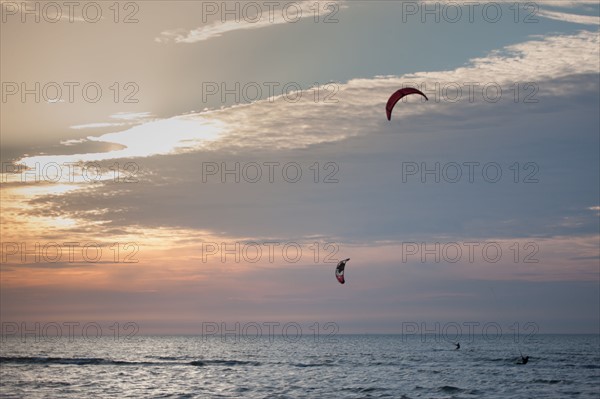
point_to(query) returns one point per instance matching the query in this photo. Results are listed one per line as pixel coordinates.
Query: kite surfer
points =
(524, 360)
(339, 270)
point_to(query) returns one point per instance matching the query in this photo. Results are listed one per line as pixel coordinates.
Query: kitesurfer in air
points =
(339, 270)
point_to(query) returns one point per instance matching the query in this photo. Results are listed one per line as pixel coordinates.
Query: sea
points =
(344, 366)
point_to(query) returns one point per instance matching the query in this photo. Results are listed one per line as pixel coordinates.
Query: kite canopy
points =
(394, 98)
(339, 270)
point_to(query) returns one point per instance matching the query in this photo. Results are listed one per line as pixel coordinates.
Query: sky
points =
(172, 164)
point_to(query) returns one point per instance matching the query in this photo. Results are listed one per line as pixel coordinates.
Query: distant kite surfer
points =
(524, 360)
(339, 270)
(457, 345)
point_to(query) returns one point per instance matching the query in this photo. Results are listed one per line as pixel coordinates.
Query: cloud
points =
(72, 142)
(215, 29)
(290, 13)
(565, 3)
(131, 118)
(171, 209)
(96, 125)
(568, 17)
(353, 134)
(352, 107)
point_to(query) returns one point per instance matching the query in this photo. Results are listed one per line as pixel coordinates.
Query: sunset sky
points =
(181, 140)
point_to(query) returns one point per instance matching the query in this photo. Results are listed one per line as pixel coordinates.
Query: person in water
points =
(457, 346)
(524, 359)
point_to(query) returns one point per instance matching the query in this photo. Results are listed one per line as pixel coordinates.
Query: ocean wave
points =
(86, 361)
(327, 364)
(221, 362)
(450, 389)
(364, 390)
(65, 360)
(543, 381)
